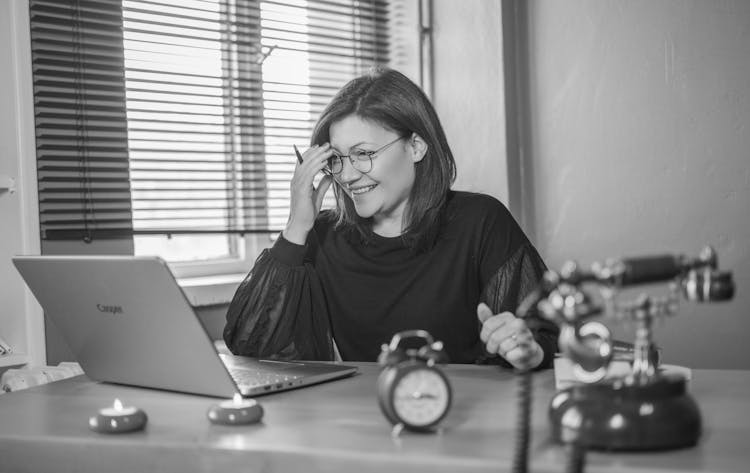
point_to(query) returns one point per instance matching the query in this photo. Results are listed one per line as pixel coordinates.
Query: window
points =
(173, 122)
(177, 115)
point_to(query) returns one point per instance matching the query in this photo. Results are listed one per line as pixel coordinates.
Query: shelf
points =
(14, 359)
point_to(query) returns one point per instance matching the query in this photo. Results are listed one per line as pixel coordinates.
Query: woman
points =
(400, 251)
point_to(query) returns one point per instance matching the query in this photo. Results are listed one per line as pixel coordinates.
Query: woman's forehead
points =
(354, 130)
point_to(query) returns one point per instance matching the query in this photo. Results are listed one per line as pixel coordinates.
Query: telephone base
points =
(622, 414)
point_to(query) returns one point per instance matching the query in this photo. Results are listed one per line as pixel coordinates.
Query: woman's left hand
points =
(508, 336)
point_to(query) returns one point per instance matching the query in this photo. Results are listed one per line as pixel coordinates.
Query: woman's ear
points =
(418, 147)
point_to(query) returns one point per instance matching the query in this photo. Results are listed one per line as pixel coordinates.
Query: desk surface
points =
(337, 426)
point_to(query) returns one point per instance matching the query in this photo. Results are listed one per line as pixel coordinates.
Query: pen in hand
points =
(296, 151)
(299, 158)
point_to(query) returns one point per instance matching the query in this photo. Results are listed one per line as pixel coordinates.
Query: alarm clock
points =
(413, 392)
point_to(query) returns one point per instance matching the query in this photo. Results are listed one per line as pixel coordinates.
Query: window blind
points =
(160, 117)
(81, 125)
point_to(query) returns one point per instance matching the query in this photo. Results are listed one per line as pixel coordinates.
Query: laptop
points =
(127, 321)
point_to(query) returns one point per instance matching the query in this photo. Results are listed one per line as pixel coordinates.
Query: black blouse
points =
(298, 298)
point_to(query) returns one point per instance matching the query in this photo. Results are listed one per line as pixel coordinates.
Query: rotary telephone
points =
(645, 409)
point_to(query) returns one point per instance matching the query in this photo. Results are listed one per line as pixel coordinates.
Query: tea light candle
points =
(118, 419)
(235, 411)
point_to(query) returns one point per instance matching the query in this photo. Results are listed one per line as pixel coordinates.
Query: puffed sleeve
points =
(511, 268)
(279, 310)
(508, 287)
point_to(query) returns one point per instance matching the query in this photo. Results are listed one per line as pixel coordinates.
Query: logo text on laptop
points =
(112, 309)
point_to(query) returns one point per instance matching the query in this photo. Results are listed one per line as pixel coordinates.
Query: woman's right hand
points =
(306, 199)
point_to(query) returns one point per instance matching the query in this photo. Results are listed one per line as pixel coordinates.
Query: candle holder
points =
(118, 419)
(235, 411)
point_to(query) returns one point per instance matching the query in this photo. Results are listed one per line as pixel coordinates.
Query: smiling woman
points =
(400, 250)
(381, 193)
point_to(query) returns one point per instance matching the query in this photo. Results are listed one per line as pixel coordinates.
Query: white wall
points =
(640, 143)
(21, 322)
(638, 139)
(468, 91)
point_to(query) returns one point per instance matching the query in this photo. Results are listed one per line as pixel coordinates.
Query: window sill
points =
(210, 290)
(13, 359)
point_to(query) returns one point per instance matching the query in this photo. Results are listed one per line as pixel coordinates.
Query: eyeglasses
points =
(361, 160)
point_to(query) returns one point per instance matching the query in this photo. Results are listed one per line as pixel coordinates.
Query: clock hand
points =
(422, 395)
(417, 395)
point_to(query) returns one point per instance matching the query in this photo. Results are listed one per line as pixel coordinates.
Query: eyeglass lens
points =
(361, 161)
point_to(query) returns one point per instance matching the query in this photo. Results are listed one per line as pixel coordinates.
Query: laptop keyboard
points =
(251, 377)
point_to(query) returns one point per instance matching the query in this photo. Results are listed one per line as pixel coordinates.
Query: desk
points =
(337, 426)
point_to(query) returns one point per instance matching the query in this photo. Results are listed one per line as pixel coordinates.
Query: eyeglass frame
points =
(369, 154)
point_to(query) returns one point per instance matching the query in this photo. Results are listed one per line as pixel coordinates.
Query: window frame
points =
(249, 248)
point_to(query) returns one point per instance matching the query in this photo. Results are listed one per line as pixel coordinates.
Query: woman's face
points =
(383, 192)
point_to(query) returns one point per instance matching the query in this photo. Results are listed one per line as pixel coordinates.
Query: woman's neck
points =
(388, 226)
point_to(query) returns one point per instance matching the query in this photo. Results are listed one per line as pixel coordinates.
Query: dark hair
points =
(389, 98)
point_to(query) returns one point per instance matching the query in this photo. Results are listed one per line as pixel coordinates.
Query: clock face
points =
(421, 397)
